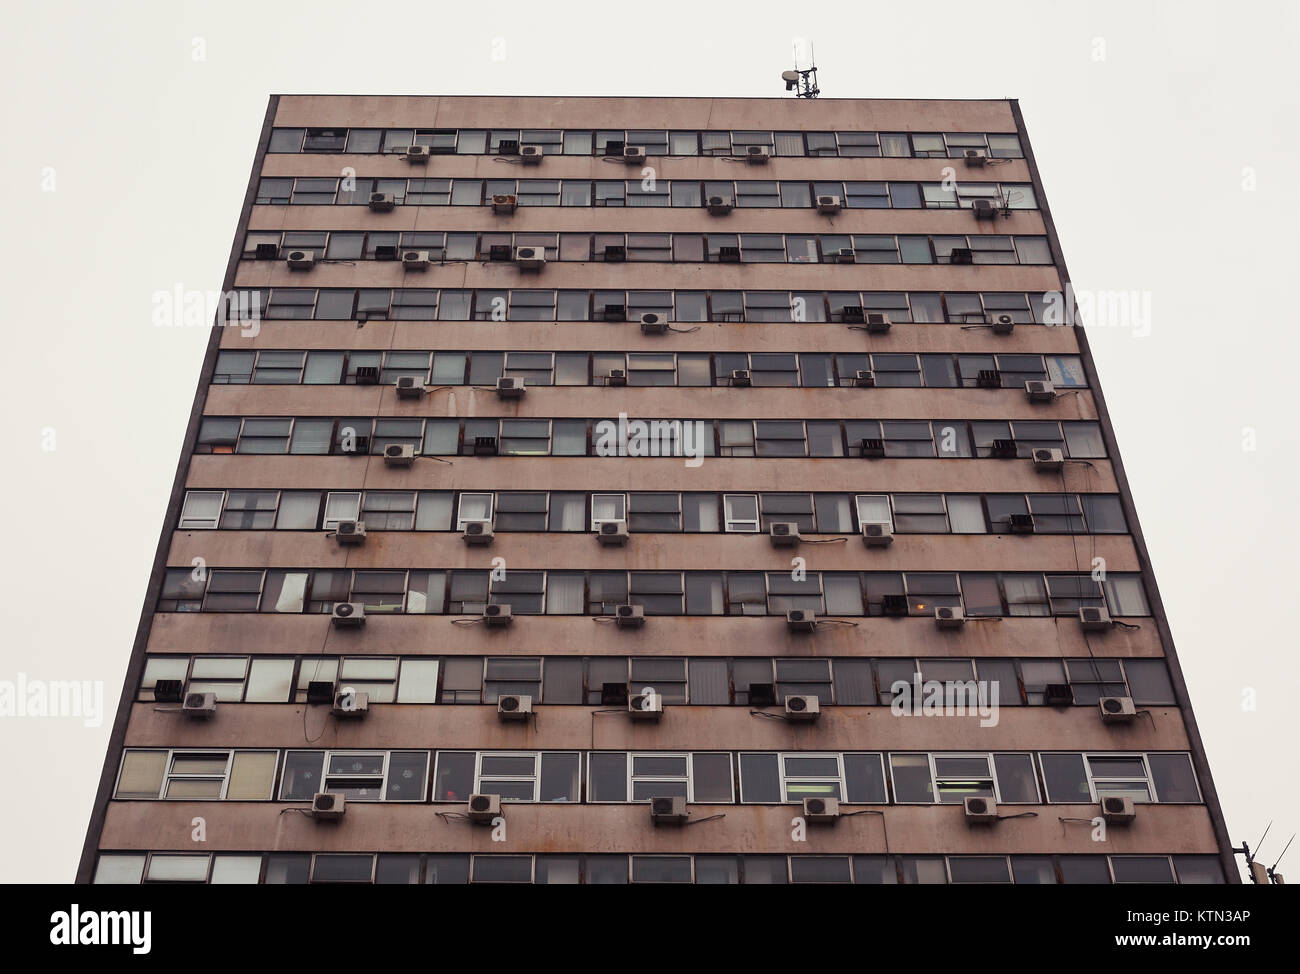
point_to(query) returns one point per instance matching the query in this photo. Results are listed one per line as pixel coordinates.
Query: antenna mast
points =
(802, 81)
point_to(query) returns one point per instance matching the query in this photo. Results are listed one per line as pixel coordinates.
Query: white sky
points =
(1143, 153)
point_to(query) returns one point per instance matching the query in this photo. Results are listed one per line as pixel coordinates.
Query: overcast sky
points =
(1166, 134)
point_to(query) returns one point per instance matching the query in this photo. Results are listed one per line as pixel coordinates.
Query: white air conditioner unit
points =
(719, 205)
(829, 204)
(328, 806)
(482, 809)
(410, 387)
(504, 203)
(1040, 390)
(382, 202)
(349, 615)
(645, 706)
(629, 616)
(801, 620)
(864, 379)
(399, 455)
(949, 617)
(612, 533)
(350, 705)
(1117, 710)
(478, 533)
(497, 615)
(653, 323)
(783, 534)
(878, 322)
(634, 155)
(511, 387)
(741, 378)
(821, 811)
(530, 258)
(877, 534)
(301, 260)
(1048, 459)
(531, 154)
(1001, 322)
(984, 209)
(802, 708)
(975, 157)
(416, 153)
(350, 532)
(1093, 618)
(1117, 810)
(416, 260)
(199, 705)
(514, 706)
(757, 154)
(979, 809)
(668, 811)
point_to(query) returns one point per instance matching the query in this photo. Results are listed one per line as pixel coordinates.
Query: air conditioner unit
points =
(169, 691)
(497, 615)
(327, 806)
(1058, 695)
(872, 449)
(531, 154)
(349, 615)
(301, 260)
(1048, 459)
(1020, 523)
(530, 258)
(350, 705)
(508, 147)
(877, 323)
(852, 313)
(668, 811)
(802, 708)
(980, 810)
(1093, 618)
(615, 312)
(514, 706)
(399, 455)
(350, 532)
(616, 377)
(801, 620)
(949, 617)
(1004, 449)
(877, 534)
(629, 616)
(482, 809)
(829, 204)
(367, 375)
(783, 534)
(511, 387)
(613, 533)
(199, 705)
(320, 691)
(988, 379)
(984, 209)
(846, 255)
(1040, 390)
(266, 251)
(728, 255)
(615, 253)
(961, 255)
(653, 324)
(478, 533)
(645, 706)
(821, 811)
(410, 387)
(757, 154)
(416, 153)
(382, 202)
(975, 157)
(864, 379)
(1001, 322)
(894, 605)
(741, 378)
(1117, 710)
(719, 205)
(504, 203)
(634, 155)
(386, 252)
(1117, 810)
(416, 260)
(485, 446)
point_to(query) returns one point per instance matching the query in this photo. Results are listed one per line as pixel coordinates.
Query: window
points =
(740, 512)
(195, 775)
(357, 775)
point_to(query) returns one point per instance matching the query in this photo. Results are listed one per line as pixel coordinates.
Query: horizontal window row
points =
(600, 593)
(741, 681)
(497, 436)
(516, 304)
(808, 370)
(695, 193)
(655, 142)
(650, 512)
(618, 869)
(700, 777)
(713, 248)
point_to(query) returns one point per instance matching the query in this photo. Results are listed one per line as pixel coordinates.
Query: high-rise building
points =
(651, 489)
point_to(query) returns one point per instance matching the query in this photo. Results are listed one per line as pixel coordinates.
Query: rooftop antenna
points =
(802, 81)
